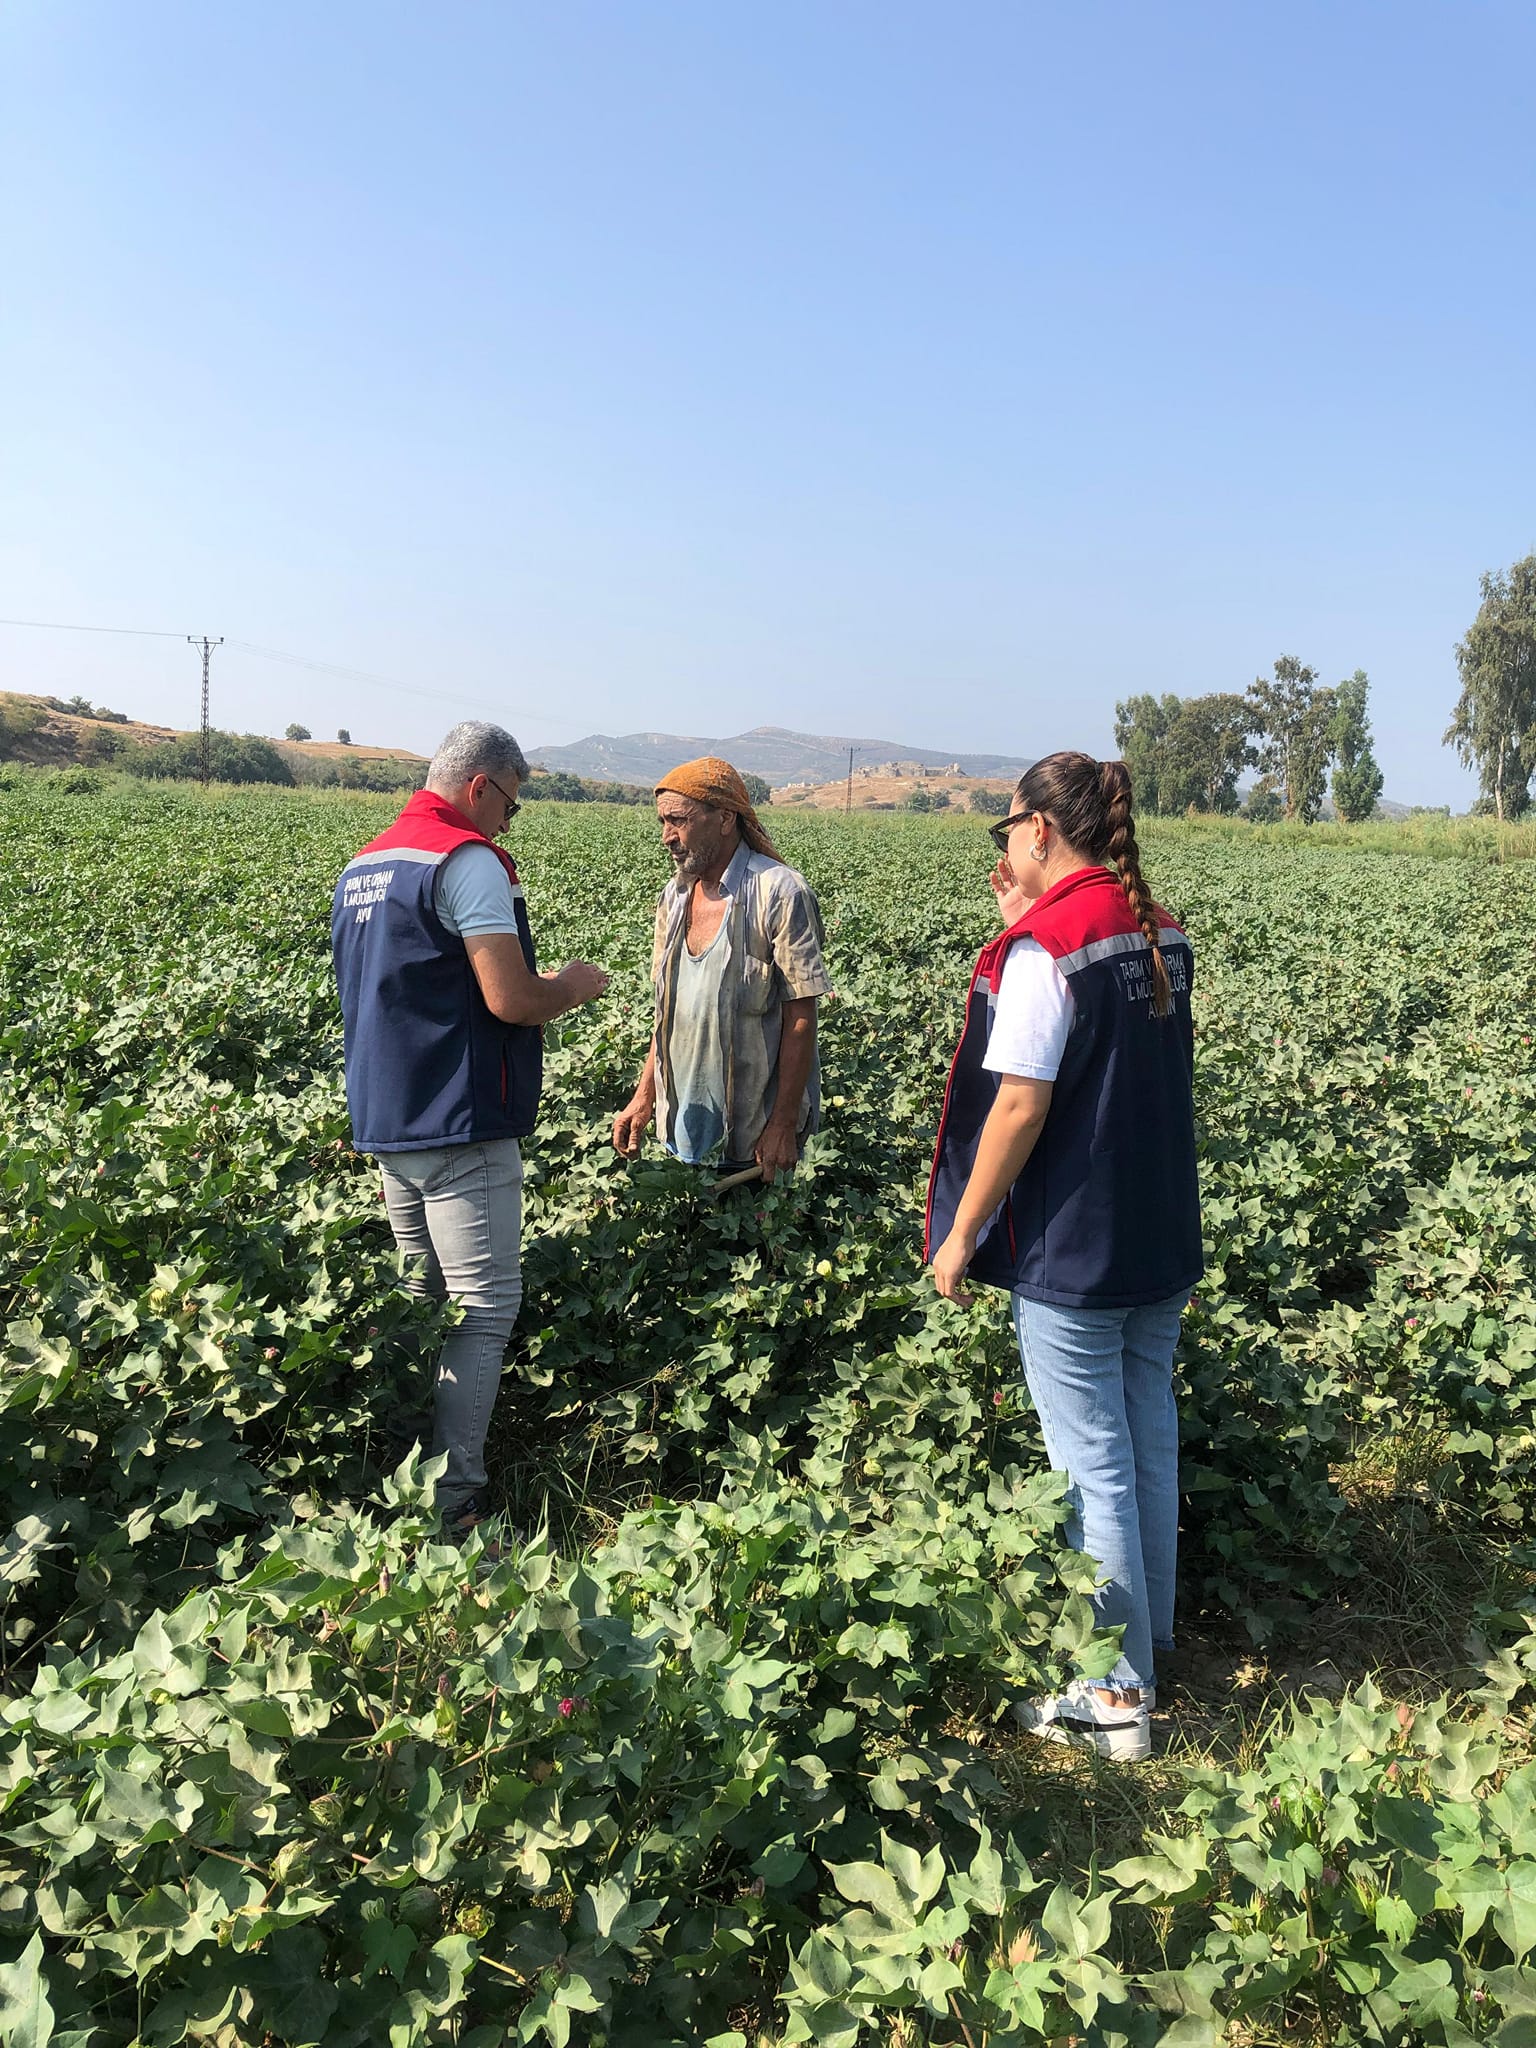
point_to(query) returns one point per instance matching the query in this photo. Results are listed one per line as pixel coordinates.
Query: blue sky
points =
(942, 373)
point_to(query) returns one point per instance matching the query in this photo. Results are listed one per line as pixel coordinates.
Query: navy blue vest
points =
(427, 1062)
(1106, 1213)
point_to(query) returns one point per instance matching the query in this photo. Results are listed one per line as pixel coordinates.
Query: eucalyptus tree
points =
(1493, 727)
(1207, 748)
(1185, 753)
(1357, 779)
(1141, 726)
(1293, 715)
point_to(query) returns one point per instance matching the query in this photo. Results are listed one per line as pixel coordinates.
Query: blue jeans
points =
(457, 1214)
(1101, 1380)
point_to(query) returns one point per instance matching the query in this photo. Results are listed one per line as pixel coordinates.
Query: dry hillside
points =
(888, 789)
(47, 736)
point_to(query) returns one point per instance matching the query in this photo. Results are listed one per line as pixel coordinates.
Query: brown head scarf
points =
(712, 781)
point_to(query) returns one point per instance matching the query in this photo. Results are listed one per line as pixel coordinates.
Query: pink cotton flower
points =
(567, 1708)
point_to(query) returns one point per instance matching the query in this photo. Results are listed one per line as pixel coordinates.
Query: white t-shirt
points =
(1033, 1015)
(473, 893)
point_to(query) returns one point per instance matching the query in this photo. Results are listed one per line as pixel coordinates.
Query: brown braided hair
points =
(1089, 802)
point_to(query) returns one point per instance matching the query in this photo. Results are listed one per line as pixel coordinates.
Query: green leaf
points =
(919, 1876)
(1177, 1869)
(26, 2016)
(1079, 1927)
(1395, 1919)
(1416, 1981)
(1190, 2030)
(870, 1884)
(1515, 1915)
(822, 1969)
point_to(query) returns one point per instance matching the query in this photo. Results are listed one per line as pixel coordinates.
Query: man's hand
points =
(515, 994)
(777, 1150)
(631, 1125)
(1011, 902)
(949, 1264)
(581, 981)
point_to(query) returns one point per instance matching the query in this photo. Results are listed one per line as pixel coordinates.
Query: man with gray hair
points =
(442, 1002)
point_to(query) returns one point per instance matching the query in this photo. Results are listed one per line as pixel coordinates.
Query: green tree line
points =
(1189, 753)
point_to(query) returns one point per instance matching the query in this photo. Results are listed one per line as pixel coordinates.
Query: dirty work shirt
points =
(770, 953)
(698, 1052)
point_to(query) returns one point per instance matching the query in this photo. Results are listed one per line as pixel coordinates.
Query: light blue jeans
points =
(457, 1214)
(1101, 1380)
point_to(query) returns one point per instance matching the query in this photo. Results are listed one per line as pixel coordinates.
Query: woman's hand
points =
(949, 1264)
(1011, 901)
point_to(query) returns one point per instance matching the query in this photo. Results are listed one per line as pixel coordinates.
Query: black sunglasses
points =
(998, 833)
(511, 802)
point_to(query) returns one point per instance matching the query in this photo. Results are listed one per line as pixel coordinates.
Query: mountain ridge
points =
(774, 752)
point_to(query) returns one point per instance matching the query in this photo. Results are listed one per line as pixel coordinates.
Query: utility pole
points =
(848, 799)
(205, 751)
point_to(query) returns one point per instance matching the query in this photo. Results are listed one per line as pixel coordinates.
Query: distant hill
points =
(50, 732)
(779, 756)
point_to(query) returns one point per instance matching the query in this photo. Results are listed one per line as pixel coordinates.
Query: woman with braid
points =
(1065, 1172)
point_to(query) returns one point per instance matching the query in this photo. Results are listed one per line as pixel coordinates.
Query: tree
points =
(1264, 806)
(1141, 726)
(1185, 752)
(344, 737)
(991, 803)
(296, 732)
(1208, 744)
(234, 757)
(19, 719)
(757, 789)
(1356, 778)
(917, 800)
(1493, 727)
(1292, 716)
(557, 787)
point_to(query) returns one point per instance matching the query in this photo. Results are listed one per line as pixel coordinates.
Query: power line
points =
(358, 675)
(54, 626)
(324, 668)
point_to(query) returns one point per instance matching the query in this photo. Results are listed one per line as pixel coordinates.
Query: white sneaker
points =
(1082, 1715)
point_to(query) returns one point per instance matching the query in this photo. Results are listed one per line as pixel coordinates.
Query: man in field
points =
(737, 970)
(442, 1003)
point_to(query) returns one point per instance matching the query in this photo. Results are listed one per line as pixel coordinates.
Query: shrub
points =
(233, 757)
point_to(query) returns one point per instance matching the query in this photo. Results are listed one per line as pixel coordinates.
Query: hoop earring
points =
(1038, 853)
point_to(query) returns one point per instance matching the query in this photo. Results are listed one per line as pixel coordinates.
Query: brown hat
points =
(712, 781)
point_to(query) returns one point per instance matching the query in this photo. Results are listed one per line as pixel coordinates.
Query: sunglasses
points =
(999, 832)
(511, 802)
